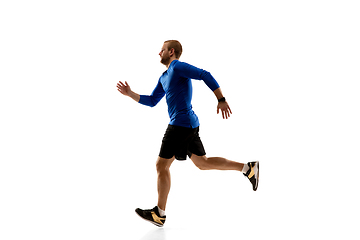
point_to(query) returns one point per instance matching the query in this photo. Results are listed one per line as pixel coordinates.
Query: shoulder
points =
(179, 66)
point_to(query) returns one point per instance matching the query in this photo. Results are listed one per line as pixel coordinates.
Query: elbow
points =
(148, 101)
(206, 74)
(152, 104)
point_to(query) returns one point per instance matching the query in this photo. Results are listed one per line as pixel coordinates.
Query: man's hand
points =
(225, 109)
(126, 90)
(223, 105)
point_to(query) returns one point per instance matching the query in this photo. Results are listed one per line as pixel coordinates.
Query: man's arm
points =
(150, 101)
(189, 71)
(126, 90)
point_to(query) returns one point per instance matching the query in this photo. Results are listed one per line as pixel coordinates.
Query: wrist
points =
(134, 96)
(222, 100)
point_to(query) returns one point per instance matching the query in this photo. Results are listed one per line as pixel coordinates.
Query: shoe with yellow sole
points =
(253, 174)
(151, 215)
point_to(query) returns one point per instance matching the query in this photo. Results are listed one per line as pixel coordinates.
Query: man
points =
(182, 135)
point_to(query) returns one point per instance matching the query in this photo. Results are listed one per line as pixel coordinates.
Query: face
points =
(164, 55)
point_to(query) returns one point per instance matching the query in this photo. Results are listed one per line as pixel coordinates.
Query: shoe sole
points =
(155, 223)
(257, 175)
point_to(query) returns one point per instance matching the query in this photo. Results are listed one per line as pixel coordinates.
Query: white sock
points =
(161, 212)
(245, 168)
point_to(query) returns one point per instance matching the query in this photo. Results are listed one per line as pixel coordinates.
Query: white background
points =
(77, 157)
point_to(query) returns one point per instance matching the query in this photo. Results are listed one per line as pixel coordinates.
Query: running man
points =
(181, 138)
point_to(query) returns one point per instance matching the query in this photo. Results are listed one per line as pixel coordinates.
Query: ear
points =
(172, 52)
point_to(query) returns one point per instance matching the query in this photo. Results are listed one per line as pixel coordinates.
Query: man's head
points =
(171, 50)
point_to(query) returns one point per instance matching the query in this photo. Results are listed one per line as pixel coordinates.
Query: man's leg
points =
(204, 163)
(164, 181)
(250, 170)
(157, 214)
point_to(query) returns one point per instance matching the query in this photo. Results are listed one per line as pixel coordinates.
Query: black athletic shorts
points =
(181, 141)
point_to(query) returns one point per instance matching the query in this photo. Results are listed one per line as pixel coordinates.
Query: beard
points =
(165, 60)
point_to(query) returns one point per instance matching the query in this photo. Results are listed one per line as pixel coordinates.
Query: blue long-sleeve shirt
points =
(175, 83)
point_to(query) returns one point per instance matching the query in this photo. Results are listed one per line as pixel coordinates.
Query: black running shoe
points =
(151, 215)
(253, 174)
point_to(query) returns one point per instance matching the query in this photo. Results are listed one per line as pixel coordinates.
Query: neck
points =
(171, 59)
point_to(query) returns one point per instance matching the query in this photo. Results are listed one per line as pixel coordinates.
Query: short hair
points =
(176, 45)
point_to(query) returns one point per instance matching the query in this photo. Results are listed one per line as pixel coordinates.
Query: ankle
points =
(245, 168)
(161, 212)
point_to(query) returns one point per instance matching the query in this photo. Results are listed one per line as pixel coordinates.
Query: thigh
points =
(169, 143)
(195, 146)
(175, 142)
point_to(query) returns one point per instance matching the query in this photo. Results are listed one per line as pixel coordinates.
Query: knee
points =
(163, 164)
(202, 167)
(159, 166)
(201, 163)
